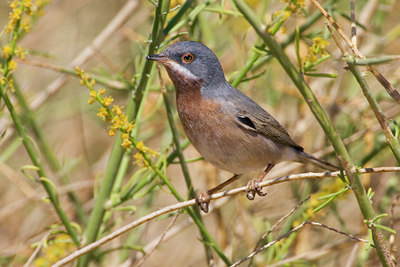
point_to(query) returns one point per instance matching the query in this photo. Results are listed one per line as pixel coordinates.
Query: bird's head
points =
(190, 61)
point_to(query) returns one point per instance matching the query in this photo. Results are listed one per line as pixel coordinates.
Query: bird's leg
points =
(253, 186)
(203, 199)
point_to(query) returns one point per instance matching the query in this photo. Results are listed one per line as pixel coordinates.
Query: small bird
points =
(229, 130)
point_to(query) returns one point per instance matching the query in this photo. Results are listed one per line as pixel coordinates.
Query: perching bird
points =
(229, 129)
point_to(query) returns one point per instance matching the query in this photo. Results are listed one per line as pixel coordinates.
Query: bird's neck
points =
(184, 85)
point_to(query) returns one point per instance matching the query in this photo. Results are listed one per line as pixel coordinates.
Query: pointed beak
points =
(158, 57)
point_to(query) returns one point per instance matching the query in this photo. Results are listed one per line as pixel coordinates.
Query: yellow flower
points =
(12, 65)
(11, 84)
(6, 51)
(102, 91)
(19, 52)
(140, 146)
(129, 126)
(139, 160)
(26, 26)
(126, 143)
(112, 132)
(55, 250)
(102, 113)
(108, 100)
(117, 110)
(28, 7)
(317, 48)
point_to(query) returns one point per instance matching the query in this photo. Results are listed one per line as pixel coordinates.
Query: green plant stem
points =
(48, 152)
(25, 139)
(143, 182)
(40, 171)
(391, 139)
(369, 61)
(185, 170)
(340, 149)
(117, 152)
(196, 220)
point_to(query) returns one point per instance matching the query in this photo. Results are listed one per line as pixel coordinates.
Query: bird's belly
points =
(226, 145)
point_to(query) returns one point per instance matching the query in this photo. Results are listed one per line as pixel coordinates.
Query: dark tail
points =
(307, 158)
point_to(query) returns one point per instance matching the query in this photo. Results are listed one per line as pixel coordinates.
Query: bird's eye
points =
(187, 58)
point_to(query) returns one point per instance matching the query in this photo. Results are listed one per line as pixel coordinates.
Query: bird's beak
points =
(158, 57)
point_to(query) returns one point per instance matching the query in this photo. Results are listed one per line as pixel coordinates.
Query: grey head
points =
(191, 60)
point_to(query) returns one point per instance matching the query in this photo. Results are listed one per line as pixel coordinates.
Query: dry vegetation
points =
(73, 158)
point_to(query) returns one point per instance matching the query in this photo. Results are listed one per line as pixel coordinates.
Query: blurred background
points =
(65, 34)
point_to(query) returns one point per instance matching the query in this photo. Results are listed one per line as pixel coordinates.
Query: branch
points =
(181, 205)
(251, 255)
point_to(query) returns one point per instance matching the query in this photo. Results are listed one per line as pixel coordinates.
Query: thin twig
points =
(353, 23)
(37, 250)
(278, 223)
(313, 255)
(191, 202)
(295, 230)
(142, 260)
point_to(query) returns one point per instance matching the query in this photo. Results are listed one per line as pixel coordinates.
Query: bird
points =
(228, 128)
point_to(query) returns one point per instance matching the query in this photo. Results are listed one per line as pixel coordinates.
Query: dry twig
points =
(191, 202)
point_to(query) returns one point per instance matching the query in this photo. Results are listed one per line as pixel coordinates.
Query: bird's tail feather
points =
(307, 158)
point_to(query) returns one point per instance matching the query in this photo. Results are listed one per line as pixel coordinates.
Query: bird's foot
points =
(253, 188)
(202, 200)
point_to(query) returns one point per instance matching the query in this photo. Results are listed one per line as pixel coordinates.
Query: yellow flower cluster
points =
(316, 201)
(280, 16)
(115, 116)
(142, 149)
(317, 48)
(117, 119)
(55, 250)
(295, 6)
(17, 11)
(120, 122)
(7, 53)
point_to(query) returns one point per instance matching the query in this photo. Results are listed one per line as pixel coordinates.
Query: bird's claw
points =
(253, 188)
(202, 200)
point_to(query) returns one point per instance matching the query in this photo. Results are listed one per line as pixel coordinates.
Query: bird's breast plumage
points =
(213, 132)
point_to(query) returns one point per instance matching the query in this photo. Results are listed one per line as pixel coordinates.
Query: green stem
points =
(340, 149)
(48, 152)
(35, 160)
(148, 178)
(196, 220)
(25, 139)
(117, 152)
(369, 61)
(185, 171)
